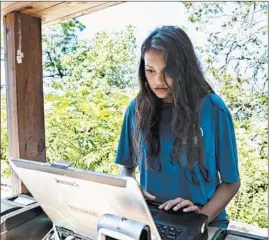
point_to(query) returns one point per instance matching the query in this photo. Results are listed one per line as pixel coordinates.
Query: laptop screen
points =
(76, 199)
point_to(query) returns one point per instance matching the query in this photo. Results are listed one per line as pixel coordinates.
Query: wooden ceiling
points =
(54, 12)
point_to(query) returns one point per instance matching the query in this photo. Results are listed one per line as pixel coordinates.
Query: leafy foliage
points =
(236, 46)
(110, 56)
(5, 170)
(82, 127)
(60, 40)
(85, 109)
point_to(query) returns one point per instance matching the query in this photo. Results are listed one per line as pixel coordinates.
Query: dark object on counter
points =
(22, 218)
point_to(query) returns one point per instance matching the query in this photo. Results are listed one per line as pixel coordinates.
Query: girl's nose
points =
(159, 79)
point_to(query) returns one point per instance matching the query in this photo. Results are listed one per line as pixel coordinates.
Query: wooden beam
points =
(55, 12)
(4, 5)
(28, 8)
(24, 86)
(71, 10)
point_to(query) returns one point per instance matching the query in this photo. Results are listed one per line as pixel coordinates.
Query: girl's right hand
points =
(148, 196)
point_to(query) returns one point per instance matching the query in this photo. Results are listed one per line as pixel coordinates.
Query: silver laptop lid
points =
(76, 199)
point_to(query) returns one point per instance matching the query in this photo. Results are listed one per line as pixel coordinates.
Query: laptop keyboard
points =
(167, 232)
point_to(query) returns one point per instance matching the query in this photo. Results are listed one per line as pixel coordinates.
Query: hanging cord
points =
(19, 50)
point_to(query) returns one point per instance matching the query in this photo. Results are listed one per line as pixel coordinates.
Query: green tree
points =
(85, 109)
(5, 170)
(66, 57)
(236, 45)
(57, 41)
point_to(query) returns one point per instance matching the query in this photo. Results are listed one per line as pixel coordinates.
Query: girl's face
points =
(154, 67)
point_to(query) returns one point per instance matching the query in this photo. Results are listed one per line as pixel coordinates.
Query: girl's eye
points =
(150, 70)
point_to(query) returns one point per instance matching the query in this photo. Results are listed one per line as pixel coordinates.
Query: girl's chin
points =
(165, 98)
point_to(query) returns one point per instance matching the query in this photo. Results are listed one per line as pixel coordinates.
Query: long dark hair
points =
(189, 87)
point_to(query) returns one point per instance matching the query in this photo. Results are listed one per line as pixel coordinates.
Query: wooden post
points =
(24, 85)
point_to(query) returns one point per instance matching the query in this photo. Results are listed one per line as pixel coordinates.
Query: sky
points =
(145, 16)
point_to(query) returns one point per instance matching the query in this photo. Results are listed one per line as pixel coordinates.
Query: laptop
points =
(75, 199)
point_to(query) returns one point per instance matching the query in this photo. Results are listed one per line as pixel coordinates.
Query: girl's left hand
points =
(180, 203)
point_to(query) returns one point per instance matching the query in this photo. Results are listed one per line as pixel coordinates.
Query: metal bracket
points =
(61, 164)
(20, 55)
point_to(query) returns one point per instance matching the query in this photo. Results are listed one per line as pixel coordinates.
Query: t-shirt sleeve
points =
(227, 157)
(125, 149)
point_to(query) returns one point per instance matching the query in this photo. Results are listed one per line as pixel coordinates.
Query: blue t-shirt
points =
(176, 180)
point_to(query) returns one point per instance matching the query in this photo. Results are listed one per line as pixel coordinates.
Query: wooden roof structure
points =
(23, 23)
(54, 12)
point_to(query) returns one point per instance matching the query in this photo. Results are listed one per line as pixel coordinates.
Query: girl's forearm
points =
(220, 199)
